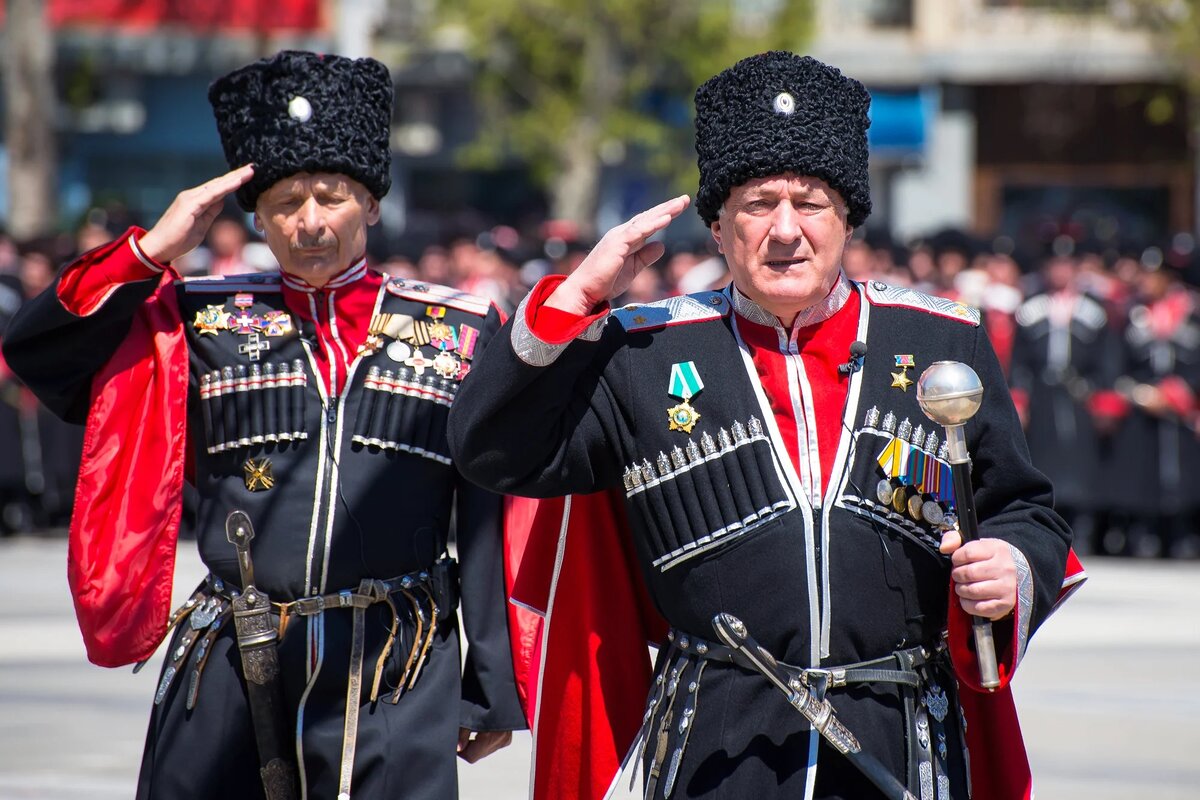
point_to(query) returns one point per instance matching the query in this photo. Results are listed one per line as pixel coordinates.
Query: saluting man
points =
(315, 401)
(774, 464)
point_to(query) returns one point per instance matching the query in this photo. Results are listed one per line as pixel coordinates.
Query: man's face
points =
(783, 237)
(316, 224)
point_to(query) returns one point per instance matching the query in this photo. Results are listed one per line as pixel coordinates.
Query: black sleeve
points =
(56, 353)
(540, 431)
(1014, 501)
(489, 691)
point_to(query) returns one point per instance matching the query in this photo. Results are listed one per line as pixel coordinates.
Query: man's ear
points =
(372, 210)
(715, 230)
(258, 226)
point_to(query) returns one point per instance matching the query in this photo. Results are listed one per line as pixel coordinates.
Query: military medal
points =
(277, 323)
(245, 322)
(243, 300)
(900, 499)
(258, 474)
(445, 364)
(932, 512)
(915, 504)
(468, 337)
(685, 383)
(900, 380)
(883, 491)
(398, 352)
(212, 319)
(418, 362)
(254, 347)
(371, 346)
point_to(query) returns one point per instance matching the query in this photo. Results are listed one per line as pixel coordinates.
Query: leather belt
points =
(873, 671)
(430, 596)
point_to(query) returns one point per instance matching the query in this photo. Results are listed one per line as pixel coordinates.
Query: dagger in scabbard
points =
(732, 632)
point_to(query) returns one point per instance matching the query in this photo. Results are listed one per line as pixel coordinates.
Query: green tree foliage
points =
(1177, 22)
(568, 85)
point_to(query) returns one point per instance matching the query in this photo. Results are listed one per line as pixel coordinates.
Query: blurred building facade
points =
(1018, 116)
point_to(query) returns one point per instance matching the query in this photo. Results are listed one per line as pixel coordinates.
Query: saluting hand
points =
(984, 575)
(619, 256)
(186, 221)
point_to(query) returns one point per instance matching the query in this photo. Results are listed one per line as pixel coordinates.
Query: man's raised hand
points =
(620, 255)
(186, 221)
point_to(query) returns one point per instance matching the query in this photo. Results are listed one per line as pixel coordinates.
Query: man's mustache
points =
(313, 243)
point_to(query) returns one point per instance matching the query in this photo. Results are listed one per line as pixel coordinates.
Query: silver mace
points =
(950, 393)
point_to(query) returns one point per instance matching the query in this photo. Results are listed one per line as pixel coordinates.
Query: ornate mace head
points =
(949, 392)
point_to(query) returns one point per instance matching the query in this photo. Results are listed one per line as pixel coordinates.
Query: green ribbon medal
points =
(685, 384)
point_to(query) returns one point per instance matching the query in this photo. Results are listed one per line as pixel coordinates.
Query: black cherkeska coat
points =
(726, 527)
(363, 487)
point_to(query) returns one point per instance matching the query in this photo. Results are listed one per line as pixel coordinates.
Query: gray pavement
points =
(1107, 694)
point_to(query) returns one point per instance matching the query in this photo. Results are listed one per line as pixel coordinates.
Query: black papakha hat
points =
(302, 112)
(779, 112)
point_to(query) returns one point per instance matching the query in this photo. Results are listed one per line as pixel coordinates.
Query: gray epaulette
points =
(672, 311)
(226, 284)
(434, 294)
(883, 294)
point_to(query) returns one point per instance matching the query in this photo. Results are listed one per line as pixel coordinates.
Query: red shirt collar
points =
(349, 275)
(819, 312)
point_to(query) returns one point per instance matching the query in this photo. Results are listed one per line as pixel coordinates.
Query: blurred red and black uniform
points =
(1156, 454)
(1063, 368)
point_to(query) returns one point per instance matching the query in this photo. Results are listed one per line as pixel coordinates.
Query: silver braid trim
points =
(1024, 601)
(537, 353)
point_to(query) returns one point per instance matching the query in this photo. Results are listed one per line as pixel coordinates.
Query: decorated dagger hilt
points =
(950, 393)
(732, 632)
(240, 533)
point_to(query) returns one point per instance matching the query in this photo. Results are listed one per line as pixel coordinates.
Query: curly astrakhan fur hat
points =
(779, 112)
(302, 112)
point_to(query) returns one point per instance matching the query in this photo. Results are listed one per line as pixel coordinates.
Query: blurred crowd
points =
(1100, 341)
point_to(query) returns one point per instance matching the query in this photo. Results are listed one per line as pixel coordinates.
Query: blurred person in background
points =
(91, 235)
(858, 261)
(1156, 454)
(226, 242)
(1002, 295)
(922, 267)
(399, 266)
(953, 252)
(313, 400)
(435, 266)
(1063, 368)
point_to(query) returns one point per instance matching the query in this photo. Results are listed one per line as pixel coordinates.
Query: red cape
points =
(585, 680)
(128, 499)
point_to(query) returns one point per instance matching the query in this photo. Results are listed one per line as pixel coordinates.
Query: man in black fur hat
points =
(313, 400)
(768, 450)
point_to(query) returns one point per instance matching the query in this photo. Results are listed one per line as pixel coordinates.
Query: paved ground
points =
(1107, 695)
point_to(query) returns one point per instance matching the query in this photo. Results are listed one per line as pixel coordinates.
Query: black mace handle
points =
(950, 393)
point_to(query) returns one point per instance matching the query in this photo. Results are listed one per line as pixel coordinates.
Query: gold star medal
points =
(685, 383)
(212, 319)
(900, 380)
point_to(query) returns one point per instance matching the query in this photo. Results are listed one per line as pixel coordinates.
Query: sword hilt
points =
(819, 712)
(240, 533)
